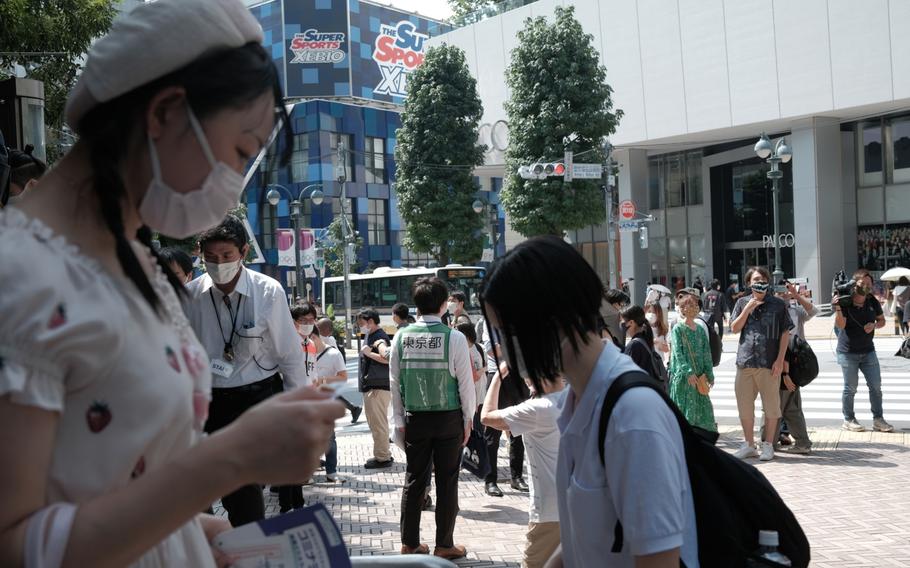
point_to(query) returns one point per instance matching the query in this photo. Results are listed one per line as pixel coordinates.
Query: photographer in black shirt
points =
(858, 316)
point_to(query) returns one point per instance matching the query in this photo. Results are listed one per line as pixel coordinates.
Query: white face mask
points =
(365, 330)
(222, 273)
(180, 215)
(651, 317)
(451, 307)
(305, 330)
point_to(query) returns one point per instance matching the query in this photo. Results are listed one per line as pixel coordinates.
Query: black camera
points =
(844, 288)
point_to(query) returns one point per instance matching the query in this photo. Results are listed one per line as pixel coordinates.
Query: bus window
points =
(405, 285)
(388, 288)
(468, 281)
(356, 294)
(329, 295)
(370, 297)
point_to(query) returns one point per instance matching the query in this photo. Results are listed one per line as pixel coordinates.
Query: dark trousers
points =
(244, 505)
(718, 325)
(516, 454)
(347, 404)
(432, 439)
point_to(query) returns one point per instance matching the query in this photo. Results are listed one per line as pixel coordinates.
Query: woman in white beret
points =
(103, 385)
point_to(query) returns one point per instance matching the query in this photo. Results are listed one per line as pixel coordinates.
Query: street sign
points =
(487, 255)
(587, 171)
(309, 272)
(627, 209)
(628, 226)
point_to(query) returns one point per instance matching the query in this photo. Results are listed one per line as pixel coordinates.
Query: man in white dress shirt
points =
(242, 320)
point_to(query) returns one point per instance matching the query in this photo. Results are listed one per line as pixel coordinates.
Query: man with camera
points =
(857, 315)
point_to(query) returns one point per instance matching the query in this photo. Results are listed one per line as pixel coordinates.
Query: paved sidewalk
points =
(850, 496)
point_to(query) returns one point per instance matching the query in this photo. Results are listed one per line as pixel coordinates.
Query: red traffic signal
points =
(559, 169)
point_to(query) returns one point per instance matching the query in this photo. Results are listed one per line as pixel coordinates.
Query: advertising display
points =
(881, 248)
(317, 48)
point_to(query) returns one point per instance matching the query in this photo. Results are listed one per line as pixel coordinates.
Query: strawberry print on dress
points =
(58, 318)
(98, 416)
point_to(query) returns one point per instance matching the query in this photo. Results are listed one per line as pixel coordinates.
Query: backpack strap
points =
(623, 383)
(324, 351)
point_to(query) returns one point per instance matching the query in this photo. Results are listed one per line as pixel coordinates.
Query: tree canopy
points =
(436, 153)
(559, 99)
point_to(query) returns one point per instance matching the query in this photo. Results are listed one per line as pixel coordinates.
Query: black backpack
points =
(803, 362)
(733, 500)
(658, 369)
(716, 343)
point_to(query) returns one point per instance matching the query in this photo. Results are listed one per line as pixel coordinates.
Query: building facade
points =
(699, 81)
(344, 67)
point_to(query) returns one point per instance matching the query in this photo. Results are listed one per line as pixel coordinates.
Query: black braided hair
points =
(212, 83)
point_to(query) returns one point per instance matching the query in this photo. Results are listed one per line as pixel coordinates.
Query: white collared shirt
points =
(459, 366)
(264, 339)
(645, 482)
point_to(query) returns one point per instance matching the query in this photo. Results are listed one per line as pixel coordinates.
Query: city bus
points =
(385, 287)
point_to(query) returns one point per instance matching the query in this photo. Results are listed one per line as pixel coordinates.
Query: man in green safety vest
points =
(433, 406)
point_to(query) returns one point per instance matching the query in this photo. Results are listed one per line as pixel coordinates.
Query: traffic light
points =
(541, 170)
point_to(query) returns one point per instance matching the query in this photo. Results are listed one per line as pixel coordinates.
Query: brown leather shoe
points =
(419, 549)
(451, 553)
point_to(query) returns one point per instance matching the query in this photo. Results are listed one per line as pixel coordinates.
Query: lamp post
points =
(480, 208)
(316, 196)
(779, 153)
(346, 237)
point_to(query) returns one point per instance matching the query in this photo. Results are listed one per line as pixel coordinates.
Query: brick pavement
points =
(850, 497)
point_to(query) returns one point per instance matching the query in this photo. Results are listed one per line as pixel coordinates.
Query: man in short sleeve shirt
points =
(534, 420)
(763, 323)
(856, 350)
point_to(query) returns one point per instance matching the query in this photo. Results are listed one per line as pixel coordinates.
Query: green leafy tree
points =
(462, 8)
(33, 29)
(334, 254)
(436, 152)
(559, 100)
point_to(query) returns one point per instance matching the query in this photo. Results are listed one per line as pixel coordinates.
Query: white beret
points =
(155, 39)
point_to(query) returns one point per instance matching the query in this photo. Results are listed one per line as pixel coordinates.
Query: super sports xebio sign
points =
(399, 49)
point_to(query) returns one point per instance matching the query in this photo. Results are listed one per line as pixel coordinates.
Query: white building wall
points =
(683, 67)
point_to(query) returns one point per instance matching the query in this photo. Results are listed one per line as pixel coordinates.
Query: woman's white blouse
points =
(131, 386)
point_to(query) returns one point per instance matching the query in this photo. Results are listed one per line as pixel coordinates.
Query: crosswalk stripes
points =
(822, 398)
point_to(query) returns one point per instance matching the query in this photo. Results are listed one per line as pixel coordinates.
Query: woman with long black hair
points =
(104, 388)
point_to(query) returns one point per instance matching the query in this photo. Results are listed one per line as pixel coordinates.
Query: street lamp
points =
(316, 196)
(779, 153)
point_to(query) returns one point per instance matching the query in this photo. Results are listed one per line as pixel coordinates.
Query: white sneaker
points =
(746, 451)
(767, 452)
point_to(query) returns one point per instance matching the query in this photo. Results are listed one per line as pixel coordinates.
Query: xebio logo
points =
(399, 50)
(314, 47)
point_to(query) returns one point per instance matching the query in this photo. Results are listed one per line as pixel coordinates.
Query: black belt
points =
(268, 383)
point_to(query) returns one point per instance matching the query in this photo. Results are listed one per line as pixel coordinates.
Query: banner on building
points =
(885, 247)
(285, 241)
(317, 48)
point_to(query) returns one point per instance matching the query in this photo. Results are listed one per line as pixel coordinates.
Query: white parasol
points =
(895, 274)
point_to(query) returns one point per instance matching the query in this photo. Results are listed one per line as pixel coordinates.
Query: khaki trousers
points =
(543, 538)
(376, 406)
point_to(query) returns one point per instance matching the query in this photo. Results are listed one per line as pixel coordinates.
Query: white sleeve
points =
(394, 385)
(460, 365)
(525, 417)
(288, 353)
(338, 364)
(647, 487)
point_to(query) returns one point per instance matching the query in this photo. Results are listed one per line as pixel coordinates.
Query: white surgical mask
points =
(305, 330)
(451, 306)
(180, 215)
(651, 317)
(365, 330)
(222, 273)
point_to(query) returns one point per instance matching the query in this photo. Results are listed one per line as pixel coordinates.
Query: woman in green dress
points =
(690, 358)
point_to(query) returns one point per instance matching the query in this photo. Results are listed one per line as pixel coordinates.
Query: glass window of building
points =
(693, 178)
(675, 180)
(655, 200)
(900, 146)
(300, 157)
(336, 139)
(269, 224)
(374, 160)
(869, 154)
(376, 222)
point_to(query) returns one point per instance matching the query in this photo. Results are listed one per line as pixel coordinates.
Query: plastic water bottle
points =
(768, 541)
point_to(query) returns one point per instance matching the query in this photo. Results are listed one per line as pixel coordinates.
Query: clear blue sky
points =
(438, 9)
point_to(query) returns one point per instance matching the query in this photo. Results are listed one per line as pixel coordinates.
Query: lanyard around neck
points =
(235, 314)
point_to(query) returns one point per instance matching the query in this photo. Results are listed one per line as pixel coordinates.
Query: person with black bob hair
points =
(25, 171)
(179, 262)
(645, 484)
(104, 387)
(641, 344)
